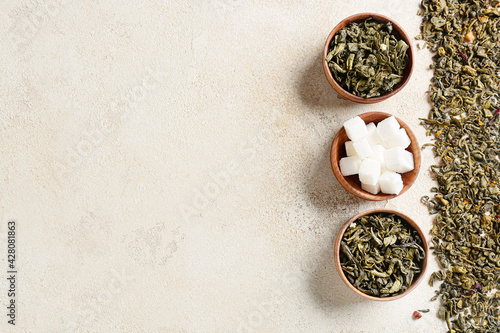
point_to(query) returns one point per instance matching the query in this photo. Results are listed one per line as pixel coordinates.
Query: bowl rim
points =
(411, 222)
(336, 86)
(358, 192)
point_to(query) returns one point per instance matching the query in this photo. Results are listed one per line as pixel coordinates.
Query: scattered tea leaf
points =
(464, 34)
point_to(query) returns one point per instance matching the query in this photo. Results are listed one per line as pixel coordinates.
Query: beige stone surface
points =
(167, 164)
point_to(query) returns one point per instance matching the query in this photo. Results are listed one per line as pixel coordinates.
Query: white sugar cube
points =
(372, 136)
(393, 153)
(355, 128)
(399, 160)
(409, 161)
(390, 182)
(369, 171)
(349, 149)
(401, 139)
(378, 154)
(349, 165)
(362, 148)
(388, 128)
(373, 189)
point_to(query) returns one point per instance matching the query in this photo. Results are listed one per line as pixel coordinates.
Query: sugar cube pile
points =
(377, 154)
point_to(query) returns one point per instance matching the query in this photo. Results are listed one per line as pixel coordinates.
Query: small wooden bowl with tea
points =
(381, 254)
(354, 183)
(372, 69)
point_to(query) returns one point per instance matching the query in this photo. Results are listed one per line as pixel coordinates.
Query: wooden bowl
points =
(423, 263)
(397, 31)
(352, 183)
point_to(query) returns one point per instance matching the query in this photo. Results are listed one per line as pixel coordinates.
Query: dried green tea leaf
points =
(381, 268)
(465, 96)
(366, 59)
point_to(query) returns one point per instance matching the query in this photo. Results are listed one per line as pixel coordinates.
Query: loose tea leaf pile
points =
(464, 122)
(366, 59)
(380, 254)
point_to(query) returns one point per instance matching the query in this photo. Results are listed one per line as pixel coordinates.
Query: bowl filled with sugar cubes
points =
(375, 156)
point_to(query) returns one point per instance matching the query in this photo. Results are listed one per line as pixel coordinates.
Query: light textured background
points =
(117, 116)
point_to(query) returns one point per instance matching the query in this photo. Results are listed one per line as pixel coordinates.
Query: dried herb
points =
(380, 254)
(464, 34)
(366, 59)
